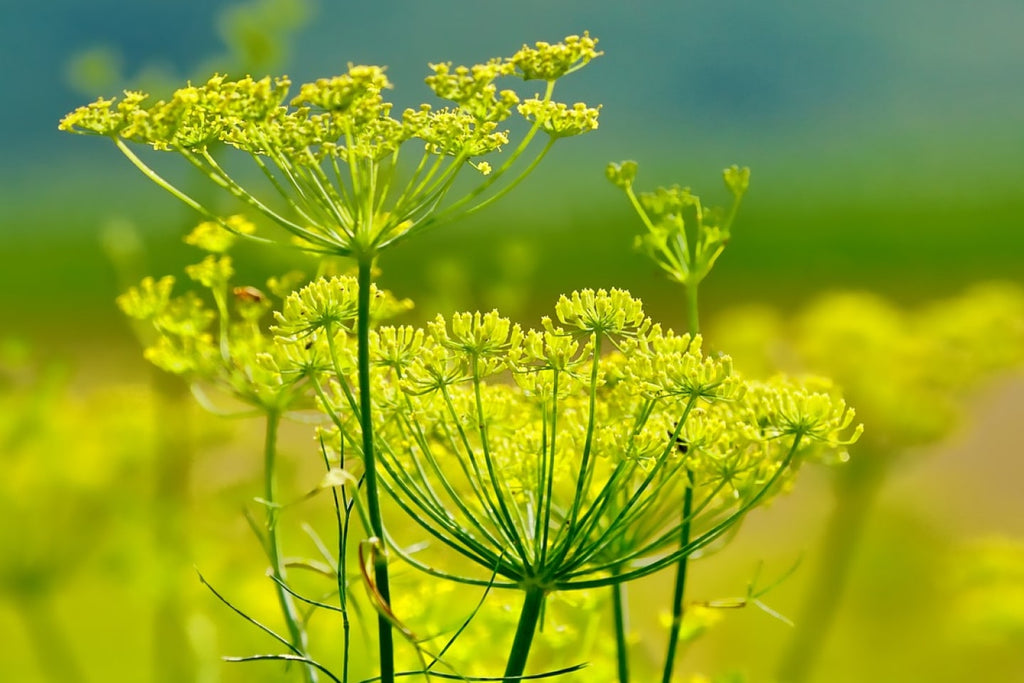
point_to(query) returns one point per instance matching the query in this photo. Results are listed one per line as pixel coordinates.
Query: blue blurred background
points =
(886, 141)
(885, 138)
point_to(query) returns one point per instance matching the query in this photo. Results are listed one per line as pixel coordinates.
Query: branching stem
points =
(528, 619)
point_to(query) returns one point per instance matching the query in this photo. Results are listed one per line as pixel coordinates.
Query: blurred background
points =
(886, 145)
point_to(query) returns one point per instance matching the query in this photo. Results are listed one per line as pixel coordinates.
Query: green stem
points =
(528, 620)
(638, 207)
(512, 185)
(692, 312)
(855, 494)
(288, 609)
(380, 565)
(680, 585)
(621, 627)
(679, 590)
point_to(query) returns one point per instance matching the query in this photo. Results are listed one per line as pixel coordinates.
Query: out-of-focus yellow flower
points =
(907, 371)
(986, 581)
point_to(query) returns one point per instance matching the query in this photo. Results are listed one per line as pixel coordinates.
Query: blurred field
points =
(886, 147)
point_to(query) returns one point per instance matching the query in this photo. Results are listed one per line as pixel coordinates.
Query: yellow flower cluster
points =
(549, 62)
(331, 152)
(227, 345)
(473, 88)
(567, 474)
(559, 120)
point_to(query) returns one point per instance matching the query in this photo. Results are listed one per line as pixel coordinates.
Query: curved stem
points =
(855, 495)
(456, 209)
(288, 609)
(512, 184)
(516, 153)
(341, 503)
(219, 176)
(638, 207)
(380, 564)
(501, 490)
(476, 481)
(433, 518)
(634, 507)
(733, 210)
(413, 427)
(571, 581)
(527, 626)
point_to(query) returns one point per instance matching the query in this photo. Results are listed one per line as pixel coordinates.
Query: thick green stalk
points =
(291, 614)
(621, 627)
(528, 620)
(679, 591)
(855, 494)
(680, 586)
(380, 564)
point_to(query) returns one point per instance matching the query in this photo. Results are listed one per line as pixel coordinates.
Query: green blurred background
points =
(886, 145)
